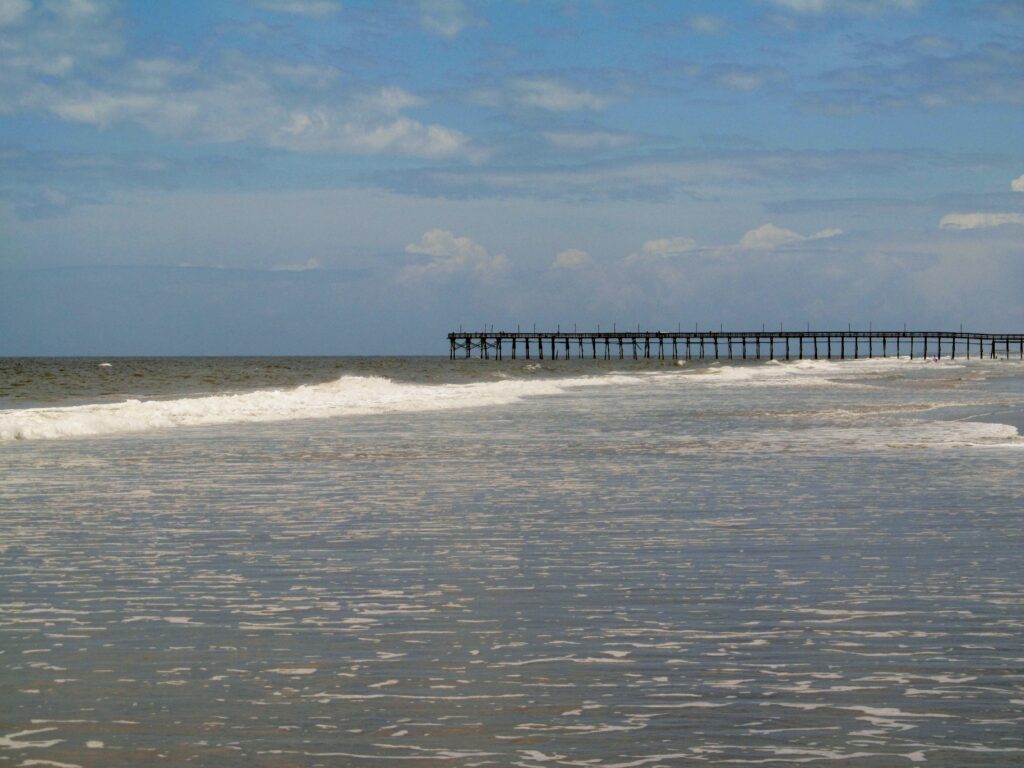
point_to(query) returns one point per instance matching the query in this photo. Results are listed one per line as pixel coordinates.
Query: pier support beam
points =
(491, 345)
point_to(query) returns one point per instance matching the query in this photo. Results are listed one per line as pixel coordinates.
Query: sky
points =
(354, 177)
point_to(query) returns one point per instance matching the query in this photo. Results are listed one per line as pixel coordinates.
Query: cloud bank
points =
(979, 220)
(769, 236)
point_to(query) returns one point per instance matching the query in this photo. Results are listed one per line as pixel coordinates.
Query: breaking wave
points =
(347, 396)
(357, 395)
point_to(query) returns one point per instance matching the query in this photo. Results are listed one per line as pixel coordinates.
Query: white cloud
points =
(312, 76)
(769, 236)
(1017, 185)
(864, 7)
(586, 140)
(300, 7)
(825, 234)
(390, 100)
(68, 59)
(657, 253)
(572, 258)
(451, 255)
(669, 246)
(933, 45)
(556, 96)
(371, 123)
(44, 45)
(13, 10)
(747, 78)
(764, 238)
(402, 136)
(277, 106)
(706, 24)
(304, 267)
(979, 220)
(543, 93)
(446, 18)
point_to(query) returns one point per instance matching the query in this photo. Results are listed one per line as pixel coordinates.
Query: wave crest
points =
(347, 396)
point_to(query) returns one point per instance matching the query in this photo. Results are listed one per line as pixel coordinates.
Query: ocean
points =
(415, 561)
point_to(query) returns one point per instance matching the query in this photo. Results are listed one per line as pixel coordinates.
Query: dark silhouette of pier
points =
(732, 345)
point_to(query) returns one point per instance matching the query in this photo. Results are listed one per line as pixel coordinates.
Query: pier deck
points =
(732, 345)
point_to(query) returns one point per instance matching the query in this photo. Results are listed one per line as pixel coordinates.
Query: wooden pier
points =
(733, 345)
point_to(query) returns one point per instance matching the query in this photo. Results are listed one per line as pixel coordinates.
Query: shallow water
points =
(488, 564)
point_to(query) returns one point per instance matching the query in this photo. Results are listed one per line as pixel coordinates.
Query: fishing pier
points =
(732, 345)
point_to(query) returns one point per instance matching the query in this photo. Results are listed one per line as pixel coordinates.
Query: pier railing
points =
(732, 345)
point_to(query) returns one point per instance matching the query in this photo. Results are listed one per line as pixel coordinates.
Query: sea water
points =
(319, 561)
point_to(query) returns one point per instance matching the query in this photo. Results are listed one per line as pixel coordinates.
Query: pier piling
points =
(730, 345)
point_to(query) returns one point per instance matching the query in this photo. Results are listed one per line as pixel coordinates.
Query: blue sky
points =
(320, 177)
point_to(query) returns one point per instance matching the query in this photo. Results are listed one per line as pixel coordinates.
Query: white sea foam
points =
(903, 434)
(798, 372)
(14, 740)
(369, 395)
(347, 396)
